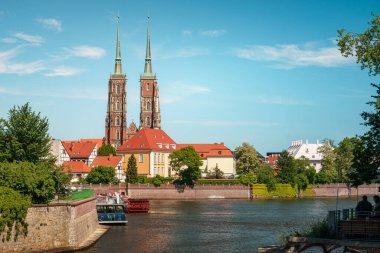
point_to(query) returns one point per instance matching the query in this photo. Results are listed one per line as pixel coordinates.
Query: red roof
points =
(109, 161)
(149, 139)
(212, 150)
(78, 149)
(97, 141)
(76, 167)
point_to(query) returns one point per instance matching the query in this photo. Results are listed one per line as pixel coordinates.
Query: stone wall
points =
(332, 189)
(198, 192)
(57, 226)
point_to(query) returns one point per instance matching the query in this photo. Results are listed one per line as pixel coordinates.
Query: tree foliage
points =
(24, 136)
(186, 163)
(287, 170)
(13, 210)
(131, 175)
(31, 179)
(102, 175)
(215, 173)
(106, 150)
(246, 159)
(328, 172)
(265, 175)
(364, 46)
(248, 178)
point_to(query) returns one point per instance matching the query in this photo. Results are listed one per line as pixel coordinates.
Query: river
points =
(214, 225)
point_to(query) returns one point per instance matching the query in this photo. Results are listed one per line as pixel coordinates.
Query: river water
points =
(214, 225)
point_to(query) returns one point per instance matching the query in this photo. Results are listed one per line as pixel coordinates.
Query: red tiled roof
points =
(97, 141)
(149, 139)
(77, 149)
(76, 167)
(206, 150)
(109, 161)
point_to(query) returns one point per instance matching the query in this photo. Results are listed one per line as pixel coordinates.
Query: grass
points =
(83, 194)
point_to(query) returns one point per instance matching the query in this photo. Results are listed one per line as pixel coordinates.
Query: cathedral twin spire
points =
(118, 69)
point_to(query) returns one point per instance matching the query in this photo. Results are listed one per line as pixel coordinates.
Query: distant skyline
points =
(263, 72)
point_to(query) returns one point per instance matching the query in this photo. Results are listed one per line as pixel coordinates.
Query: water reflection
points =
(214, 225)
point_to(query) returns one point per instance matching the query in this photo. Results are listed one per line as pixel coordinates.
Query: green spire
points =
(118, 69)
(148, 64)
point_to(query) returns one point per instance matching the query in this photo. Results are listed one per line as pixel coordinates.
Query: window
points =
(117, 121)
(155, 155)
(147, 121)
(147, 86)
(141, 158)
(117, 135)
(162, 158)
(117, 89)
(148, 106)
(118, 106)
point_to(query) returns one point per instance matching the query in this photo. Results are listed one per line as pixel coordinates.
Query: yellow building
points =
(151, 148)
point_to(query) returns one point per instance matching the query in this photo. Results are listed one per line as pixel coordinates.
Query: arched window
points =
(117, 105)
(117, 135)
(148, 106)
(117, 88)
(117, 121)
(147, 86)
(147, 121)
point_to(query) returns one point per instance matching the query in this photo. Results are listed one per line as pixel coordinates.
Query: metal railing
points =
(348, 224)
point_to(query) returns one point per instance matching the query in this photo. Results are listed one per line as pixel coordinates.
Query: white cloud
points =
(179, 91)
(213, 33)
(33, 39)
(187, 32)
(20, 68)
(50, 23)
(223, 123)
(63, 71)
(292, 56)
(9, 40)
(71, 94)
(87, 52)
(276, 100)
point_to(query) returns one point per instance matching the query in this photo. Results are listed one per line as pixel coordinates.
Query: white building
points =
(298, 149)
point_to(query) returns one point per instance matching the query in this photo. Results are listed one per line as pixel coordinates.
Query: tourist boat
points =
(138, 206)
(111, 210)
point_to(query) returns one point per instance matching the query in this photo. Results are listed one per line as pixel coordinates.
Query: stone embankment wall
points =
(59, 226)
(168, 191)
(198, 192)
(344, 191)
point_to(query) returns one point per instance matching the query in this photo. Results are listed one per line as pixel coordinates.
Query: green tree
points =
(301, 182)
(304, 167)
(246, 159)
(265, 175)
(102, 175)
(61, 179)
(186, 163)
(248, 178)
(30, 179)
(131, 176)
(215, 173)
(287, 169)
(106, 149)
(13, 211)
(364, 46)
(345, 158)
(24, 136)
(328, 172)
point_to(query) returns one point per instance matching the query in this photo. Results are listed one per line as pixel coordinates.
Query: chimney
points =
(72, 146)
(110, 156)
(307, 141)
(317, 141)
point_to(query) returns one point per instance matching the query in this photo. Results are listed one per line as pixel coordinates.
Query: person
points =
(363, 208)
(376, 209)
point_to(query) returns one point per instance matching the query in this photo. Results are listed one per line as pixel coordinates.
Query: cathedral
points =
(116, 130)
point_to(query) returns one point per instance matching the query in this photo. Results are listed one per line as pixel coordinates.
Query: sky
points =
(262, 72)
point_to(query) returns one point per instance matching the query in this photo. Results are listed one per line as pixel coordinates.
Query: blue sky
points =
(264, 72)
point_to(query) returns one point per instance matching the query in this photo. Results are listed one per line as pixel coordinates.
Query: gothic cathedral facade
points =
(150, 114)
(116, 131)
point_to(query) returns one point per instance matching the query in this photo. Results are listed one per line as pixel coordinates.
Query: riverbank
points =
(58, 227)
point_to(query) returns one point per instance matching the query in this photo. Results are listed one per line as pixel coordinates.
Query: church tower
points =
(116, 118)
(150, 115)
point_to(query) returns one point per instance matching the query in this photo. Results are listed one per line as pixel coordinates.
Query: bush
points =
(219, 182)
(317, 229)
(102, 175)
(157, 181)
(281, 190)
(13, 211)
